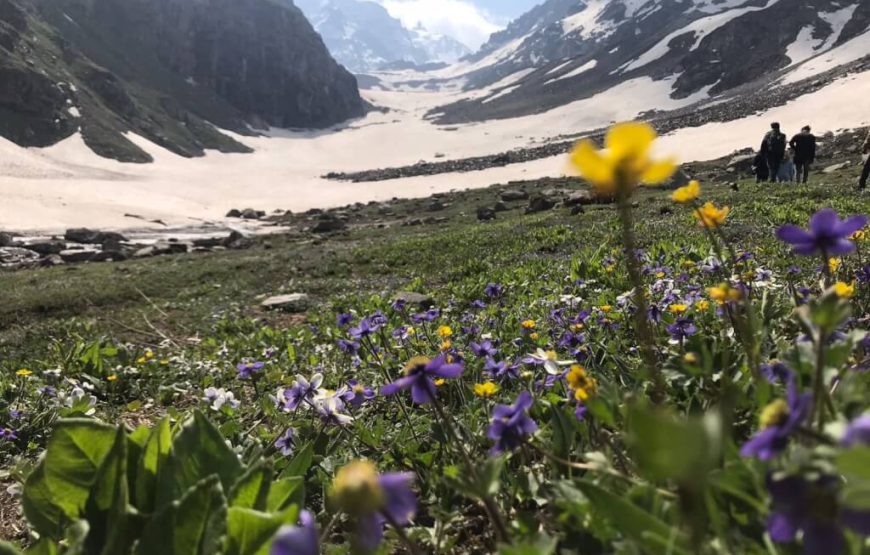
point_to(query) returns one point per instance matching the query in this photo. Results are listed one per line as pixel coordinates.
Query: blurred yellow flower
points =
(580, 382)
(445, 331)
(834, 264)
(528, 324)
(690, 358)
(688, 193)
(446, 344)
(440, 381)
(605, 308)
(23, 373)
(710, 216)
(485, 390)
(112, 378)
(678, 308)
(859, 235)
(534, 336)
(844, 290)
(702, 305)
(724, 293)
(624, 162)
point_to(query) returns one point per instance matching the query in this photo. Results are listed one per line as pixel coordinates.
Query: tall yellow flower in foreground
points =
(844, 290)
(625, 161)
(688, 193)
(710, 216)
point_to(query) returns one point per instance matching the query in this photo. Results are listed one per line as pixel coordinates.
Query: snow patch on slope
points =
(575, 72)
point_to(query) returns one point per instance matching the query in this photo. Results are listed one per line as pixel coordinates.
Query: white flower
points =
(329, 409)
(548, 360)
(218, 397)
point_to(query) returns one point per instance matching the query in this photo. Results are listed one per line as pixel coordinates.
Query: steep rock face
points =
(172, 71)
(573, 49)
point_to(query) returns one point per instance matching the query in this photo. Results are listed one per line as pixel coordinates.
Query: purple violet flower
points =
(778, 421)
(858, 432)
(249, 368)
(419, 373)
(287, 442)
(827, 234)
(485, 348)
(511, 424)
(297, 540)
(501, 370)
(682, 329)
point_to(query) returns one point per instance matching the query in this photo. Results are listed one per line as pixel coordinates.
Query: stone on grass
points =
(293, 302)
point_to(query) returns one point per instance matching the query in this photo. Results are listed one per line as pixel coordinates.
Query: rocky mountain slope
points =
(363, 36)
(565, 50)
(172, 71)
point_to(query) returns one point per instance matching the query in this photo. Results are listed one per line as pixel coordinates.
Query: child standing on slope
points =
(786, 173)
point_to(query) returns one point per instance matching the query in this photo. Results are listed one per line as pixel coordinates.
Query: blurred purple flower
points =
(249, 368)
(485, 348)
(493, 290)
(419, 373)
(511, 424)
(344, 319)
(501, 370)
(858, 432)
(827, 234)
(682, 329)
(400, 506)
(297, 540)
(365, 328)
(287, 442)
(779, 420)
(359, 394)
(777, 372)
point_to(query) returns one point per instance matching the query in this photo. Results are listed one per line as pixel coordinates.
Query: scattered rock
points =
(836, 167)
(513, 195)
(540, 203)
(51, 260)
(234, 213)
(17, 257)
(500, 206)
(145, 252)
(579, 198)
(237, 241)
(6, 239)
(47, 247)
(484, 214)
(328, 224)
(294, 302)
(419, 300)
(92, 237)
(577, 209)
(75, 256)
(251, 214)
(436, 206)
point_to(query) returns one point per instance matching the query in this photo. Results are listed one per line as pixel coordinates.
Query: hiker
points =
(773, 147)
(804, 145)
(787, 168)
(759, 167)
(862, 184)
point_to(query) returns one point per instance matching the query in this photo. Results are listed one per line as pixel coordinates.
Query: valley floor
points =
(67, 185)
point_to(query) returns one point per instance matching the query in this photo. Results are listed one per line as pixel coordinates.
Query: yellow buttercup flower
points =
(445, 345)
(710, 216)
(356, 488)
(834, 264)
(534, 336)
(625, 161)
(690, 358)
(581, 383)
(844, 290)
(688, 193)
(773, 414)
(605, 308)
(702, 305)
(528, 324)
(23, 373)
(440, 381)
(112, 378)
(859, 235)
(485, 390)
(724, 293)
(445, 331)
(678, 308)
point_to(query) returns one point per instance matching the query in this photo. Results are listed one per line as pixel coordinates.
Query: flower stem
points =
(644, 333)
(410, 545)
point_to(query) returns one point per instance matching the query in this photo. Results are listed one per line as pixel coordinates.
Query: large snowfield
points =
(67, 185)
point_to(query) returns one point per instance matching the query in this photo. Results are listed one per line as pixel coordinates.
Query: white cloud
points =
(459, 19)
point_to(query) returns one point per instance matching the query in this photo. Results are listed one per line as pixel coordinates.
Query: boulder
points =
(234, 213)
(579, 198)
(513, 195)
(836, 167)
(540, 203)
(294, 302)
(251, 214)
(51, 260)
(75, 256)
(209, 242)
(92, 237)
(6, 239)
(485, 213)
(145, 252)
(418, 300)
(17, 257)
(436, 206)
(328, 225)
(47, 247)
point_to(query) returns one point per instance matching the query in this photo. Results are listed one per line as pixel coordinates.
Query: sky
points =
(468, 21)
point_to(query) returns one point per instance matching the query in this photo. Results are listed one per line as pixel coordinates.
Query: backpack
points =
(776, 142)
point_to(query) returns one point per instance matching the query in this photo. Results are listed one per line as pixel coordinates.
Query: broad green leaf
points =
(44, 546)
(39, 507)
(542, 545)
(192, 525)
(284, 492)
(301, 462)
(563, 432)
(198, 452)
(153, 459)
(106, 508)
(250, 532)
(73, 456)
(650, 534)
(8, 549)
(252, 490)
(855, 463)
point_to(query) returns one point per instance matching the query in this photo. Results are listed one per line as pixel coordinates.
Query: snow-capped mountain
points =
(363, 36)
(564, 50)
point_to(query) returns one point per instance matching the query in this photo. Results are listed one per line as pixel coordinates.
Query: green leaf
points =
(542, 545)
(73, 456)
(301, 462)
(44, 546)
(198, 451)
(106, 508)
(192, 525)
(563, 432)
(284, 492)
(855, 463)
(8, 549)
(155, 451)
(650, 534)
(38, 503)
(252, 489)
(250, 532)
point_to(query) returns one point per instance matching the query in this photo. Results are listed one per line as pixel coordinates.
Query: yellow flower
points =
(688, 263)
(141, 360)
(678, 308)
(844, 290)
(445, 331)
(624, 162)
(411, 331)
(687, 194)
(702, 305)
(690, 358)
(445, 345)
(660, 275)
(485, 390)
(710, 216)
(774, 413)
(440, 381)
(534, 336)
(112, 378)
(724, 293)
(605, 308)
(23, 373)
(834, 264)
(859, 235)
(149, 354)
(578, 327)
(164, 362)
(356, 488)
(582, 385)
(528, 324)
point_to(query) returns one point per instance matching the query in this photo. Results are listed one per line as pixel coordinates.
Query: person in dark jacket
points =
(804, 145)
(773, 146)
(865, 148)
(759, 168)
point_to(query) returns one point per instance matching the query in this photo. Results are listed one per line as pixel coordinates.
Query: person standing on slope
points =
(773, 147)
(865, 148)
(804, 145)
